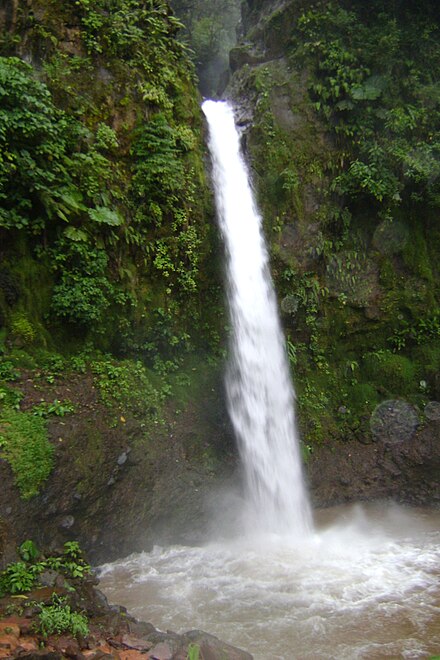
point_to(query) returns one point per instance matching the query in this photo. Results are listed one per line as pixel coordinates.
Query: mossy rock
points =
(427, 360)
(362, 397)
(390, 372)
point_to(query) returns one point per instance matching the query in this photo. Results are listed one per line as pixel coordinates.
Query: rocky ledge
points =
(113, 633)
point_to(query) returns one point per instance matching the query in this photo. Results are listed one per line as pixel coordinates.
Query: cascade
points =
(282, 592)
(259, 389)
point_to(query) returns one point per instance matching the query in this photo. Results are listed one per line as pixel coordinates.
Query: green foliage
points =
(56, 408)
(101, 158)
(164, 193)
(390, 372)
(17, 578)
(34, 139)
(71, 563)
(49, 172)
(24, 444)
(84, 292)
(20, 577)
(7, 370)
(10, 397)
(59, 618)
(193, 652)
(28, 550)
(371, 73)
(416, 332)
(125, 385)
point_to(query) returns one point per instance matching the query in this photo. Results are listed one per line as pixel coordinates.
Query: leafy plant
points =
(125, 386)
(57, 408)
(18, 578)
(22, 576)
(363, 69)
(59, 618)
(28, 550)
(193, 652)
(10, 397)
(7, 370)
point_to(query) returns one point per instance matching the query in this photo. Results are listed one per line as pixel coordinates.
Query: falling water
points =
(364, 584)
(260, 393)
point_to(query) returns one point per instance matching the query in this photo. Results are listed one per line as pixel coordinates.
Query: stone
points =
(49, 578)
(212, 648)
(8, 642)
(67, 522)
(122, 458)
(135, 643)
(27, 645)
(9, 628)
(161, 651)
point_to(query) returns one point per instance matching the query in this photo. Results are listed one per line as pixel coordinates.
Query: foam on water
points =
(361, 587)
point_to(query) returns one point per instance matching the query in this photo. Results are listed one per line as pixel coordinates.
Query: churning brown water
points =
(365, 585)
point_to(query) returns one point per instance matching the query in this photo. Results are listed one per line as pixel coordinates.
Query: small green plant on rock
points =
(59, 618)
(22, 576)
(28, 550)
(57, 408)
(18, 578)
(193, 652)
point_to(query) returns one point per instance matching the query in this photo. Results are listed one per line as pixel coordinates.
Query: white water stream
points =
(260, 392)
(364, 584)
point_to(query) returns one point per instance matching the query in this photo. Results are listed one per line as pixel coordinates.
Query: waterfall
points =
(259, 390)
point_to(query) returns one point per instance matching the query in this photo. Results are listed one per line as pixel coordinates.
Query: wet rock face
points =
(120, 489)
(8, 14)
(24, 17)
(405, 470)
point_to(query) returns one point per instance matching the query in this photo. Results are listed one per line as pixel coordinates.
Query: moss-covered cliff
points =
(104, 209)
(340, 108)
(110, 302)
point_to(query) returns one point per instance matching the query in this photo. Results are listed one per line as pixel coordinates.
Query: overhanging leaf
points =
(105, 216)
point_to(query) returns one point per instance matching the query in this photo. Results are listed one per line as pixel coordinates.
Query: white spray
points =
(259, 389)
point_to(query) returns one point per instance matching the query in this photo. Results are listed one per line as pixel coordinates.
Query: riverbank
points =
(112, 633)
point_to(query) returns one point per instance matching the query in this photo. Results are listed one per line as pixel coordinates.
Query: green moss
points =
(392, 373)
(316, 407)
(89, 453)
(427, 359)
(22, 329)
(387, 274)
(25, 445)
(415, 254)
(362, 397)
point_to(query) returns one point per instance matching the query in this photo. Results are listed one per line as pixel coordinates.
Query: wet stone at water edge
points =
(394, 421)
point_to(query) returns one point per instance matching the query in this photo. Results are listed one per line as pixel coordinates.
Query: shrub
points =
(58, 618)
(17, 578)
(20, 577)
